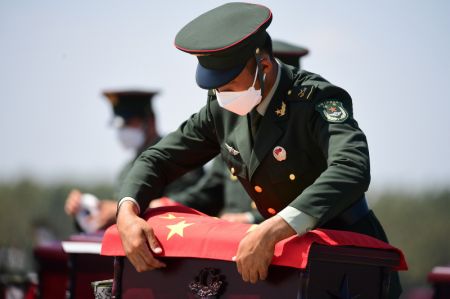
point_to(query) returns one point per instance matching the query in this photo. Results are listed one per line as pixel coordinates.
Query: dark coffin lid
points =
(51, 250)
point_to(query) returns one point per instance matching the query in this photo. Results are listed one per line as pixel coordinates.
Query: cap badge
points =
(279, 153)
(231, 150)
(282, 111)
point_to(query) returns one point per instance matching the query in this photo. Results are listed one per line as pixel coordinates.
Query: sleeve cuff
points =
(128, 199)
(298, 220)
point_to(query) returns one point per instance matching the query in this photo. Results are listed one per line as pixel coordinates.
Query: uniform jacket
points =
(326, 159)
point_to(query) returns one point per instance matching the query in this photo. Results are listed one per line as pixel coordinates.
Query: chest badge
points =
(279, 153)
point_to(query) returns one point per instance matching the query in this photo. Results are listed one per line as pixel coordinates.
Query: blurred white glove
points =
(87, 217)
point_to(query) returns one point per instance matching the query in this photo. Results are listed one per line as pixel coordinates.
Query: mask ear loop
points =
(256, 76)
(259, 70)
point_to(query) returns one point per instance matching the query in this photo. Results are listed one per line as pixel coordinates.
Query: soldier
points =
(288, 135)
(136, 123)
(288, 53)
(219, 192)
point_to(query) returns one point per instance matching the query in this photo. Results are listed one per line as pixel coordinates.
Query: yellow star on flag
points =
(177, 228)
(170, 216)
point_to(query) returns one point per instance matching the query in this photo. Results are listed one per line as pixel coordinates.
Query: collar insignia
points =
(282, 111)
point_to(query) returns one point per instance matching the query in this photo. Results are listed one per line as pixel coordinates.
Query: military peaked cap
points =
(288, 53)
(224, 39)
(130, 103)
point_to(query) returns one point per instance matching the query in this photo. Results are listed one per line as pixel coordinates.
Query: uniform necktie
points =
(255, 120)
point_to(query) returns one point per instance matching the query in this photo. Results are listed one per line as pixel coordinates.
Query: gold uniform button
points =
(292, 176)
(233, 177)
(271, 211)
(232, 170)
(289, 92)
(258, 189)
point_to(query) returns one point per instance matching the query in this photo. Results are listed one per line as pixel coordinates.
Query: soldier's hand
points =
(73, 202)
(254, 255)
(256, 249)
(138, 239)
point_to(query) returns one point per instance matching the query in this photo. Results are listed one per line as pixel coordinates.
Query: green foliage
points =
(419, 225)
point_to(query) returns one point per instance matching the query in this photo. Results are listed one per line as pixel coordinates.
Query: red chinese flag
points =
(184, 232)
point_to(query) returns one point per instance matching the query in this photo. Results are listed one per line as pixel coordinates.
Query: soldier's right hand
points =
(138, 239)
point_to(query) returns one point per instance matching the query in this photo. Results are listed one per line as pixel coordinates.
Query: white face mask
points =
(131, 138)
(240, 102)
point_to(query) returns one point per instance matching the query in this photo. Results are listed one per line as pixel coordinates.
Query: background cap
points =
(131, 103)
(288, 53)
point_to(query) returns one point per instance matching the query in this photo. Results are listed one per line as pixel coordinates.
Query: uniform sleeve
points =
(189, 147)
(184, 182)
(298, 220)
(207, 195)
(344, 146)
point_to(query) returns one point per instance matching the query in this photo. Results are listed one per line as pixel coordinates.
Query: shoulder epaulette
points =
(303, 92)
(306, 92)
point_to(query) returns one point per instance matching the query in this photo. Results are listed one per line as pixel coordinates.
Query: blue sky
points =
(56, 57)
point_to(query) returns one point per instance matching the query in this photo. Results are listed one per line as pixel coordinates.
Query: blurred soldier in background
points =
(136, 122)
(219, 193)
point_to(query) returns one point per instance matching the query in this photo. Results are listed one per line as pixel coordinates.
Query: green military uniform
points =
(308, 152)
(219, 191)
(327, 161)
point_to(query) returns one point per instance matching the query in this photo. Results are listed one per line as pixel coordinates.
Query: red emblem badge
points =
(279, 153)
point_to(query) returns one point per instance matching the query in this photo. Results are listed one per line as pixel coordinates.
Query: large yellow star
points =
(177, 228)
(170, 216)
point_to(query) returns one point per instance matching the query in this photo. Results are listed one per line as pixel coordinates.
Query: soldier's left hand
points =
(254, 255)
(256, 249)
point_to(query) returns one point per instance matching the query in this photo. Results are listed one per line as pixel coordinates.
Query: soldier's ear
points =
(267, 63)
